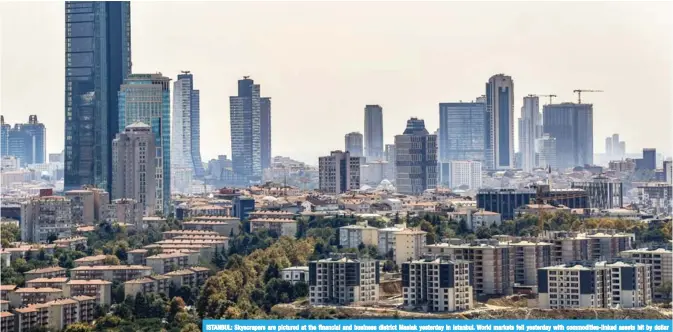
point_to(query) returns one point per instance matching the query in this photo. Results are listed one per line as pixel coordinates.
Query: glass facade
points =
(98, 59)
(571, 125)
(461, 131)
(245, 122)
(145, 98)
(26, 141)
(499, 122)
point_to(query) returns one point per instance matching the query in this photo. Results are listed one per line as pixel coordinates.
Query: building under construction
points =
(602, 192)
(506, 201)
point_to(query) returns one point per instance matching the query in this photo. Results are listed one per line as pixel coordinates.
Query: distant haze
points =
(322, 62)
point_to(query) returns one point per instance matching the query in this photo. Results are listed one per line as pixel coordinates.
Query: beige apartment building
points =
(90, 260)
(660, 260)
(164, 263)
(82, 202)
(178, 233)
(353, 235)
(24, 296)
(493, 264)
(31, 317)
(43, 216)
(58, 282)
(110, 273)
(101, 290)
(137, 257)
(409, 245)
(6, 322)
(154, 284)
(282, 227)
(72, 243)
(223, 228)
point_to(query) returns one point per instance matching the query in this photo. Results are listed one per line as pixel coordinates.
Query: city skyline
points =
(404, 83)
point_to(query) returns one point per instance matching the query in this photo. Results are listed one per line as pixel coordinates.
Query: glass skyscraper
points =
(499, 127)
(26, 141)
(246, 136)
(572, 127)
(146, 98)
(461, 131)
(97, 60)
(373, 133)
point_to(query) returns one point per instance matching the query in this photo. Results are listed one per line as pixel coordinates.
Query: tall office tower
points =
(389, 156)
(609, 149)
(4, 137)
(373, 133)
(614, 148)
(265, 130)
(415, 159)
(354, 144)
(26, 141)
(339, 172)
(546, 152)
(649, 160)
(499, 122)
(185, 136)
(529, 131)
(97, 60)
(573, 127)
(146, 98)
(461, 131)
(245, 121)
(454, 174)
(133, 166)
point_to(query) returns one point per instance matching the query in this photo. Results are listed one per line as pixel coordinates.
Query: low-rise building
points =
(353, 235)
(155, 284)
(179, 233)
(282, 227)
(7, 321)
(438, 285)
(5, 290)
(661, 261)
(270, 215)
(343, 280)
(574, 285)
(24, 296)
(47, 282)
(101, 290)
(386, 240)
(481, 218)
(62, 312)
(47, 272)
(222, 225)
(183, 277)
(90, 260)
(295, 274)
(137, 257)
(72, 243)
(85, 307)
(31, 317)
(110, 273)
(164, 263)
(631, 284)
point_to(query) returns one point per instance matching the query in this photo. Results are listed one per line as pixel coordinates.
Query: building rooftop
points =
(111, 267)
(46, 270)
(38, 290)
(6, 288)
(89, 282)
(180, 272)
(83, 298)
(6, 314)
(90, 258)
(167, 255)
(48, 280)
(140, 281)
(274, 220)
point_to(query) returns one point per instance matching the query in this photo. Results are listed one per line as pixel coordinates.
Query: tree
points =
(300, 289)
(483, 232)
(177, 305)
(191, 327)
(141, 307)
(78, 327)
(111, 260)
(272, 272)
(51, 238)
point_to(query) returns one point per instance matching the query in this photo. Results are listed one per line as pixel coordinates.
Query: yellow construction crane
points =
(579, 94)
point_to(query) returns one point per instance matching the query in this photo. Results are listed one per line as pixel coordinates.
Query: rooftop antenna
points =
(185, 71)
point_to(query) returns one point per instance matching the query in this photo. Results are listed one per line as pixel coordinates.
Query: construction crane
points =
(550, 96)
(579, 94)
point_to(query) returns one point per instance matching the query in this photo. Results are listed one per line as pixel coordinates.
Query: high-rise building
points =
(389, 155)
(668, 171)
(373, 133)
(339, 172)
(439, 284)
(97, 60)
(499, 120)
(572, 125)
(343, 280)
(246, 139)
(614, 148)
(146, 98)
(415, 159)
(545, 149)
(530, 129)
(648, 162)
(134, 163)
(354, 144)
(185, 133)
(458, 173)
(26, 141)
(4, 137)
(265, 130)
(461, 131)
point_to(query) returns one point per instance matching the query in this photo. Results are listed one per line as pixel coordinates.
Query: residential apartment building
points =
(281, 227)
(47, 272)
(661, 261)
(409, 244)
(24, 296)
(353, 235)
(110, 272)
(134, 167)
(222, 225)
(415, 159)
(164, 263)
(460, 174)
(190, 277)
(493, 264)
(386, 240)
(155, 284)
(438, 285)
(45, 216)
(82, 206)
(58, 282)
(339, 172)
(6, 321)
(343, 280)
(631, 284)
(574, 286)
(31, 317)
(528, 258)
(295, 274)
(101, 290)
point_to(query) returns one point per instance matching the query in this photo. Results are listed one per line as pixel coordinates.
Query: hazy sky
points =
(321, 62)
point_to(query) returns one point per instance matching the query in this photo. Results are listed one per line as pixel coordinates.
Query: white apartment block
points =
(478, 219)
(631, 284)
(465, 173)
(295, 274)
(571, 247)
(164, 263)
(660, 260)
(409, 244)
(282, 227)
(343, 281)
(339, 172)
(44, 216)
(437, 285)
(493, 265)
(353, 235)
